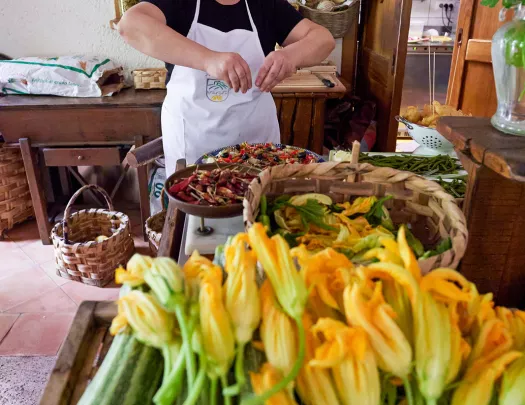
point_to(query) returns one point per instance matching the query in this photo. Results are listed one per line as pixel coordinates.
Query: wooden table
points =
(494, 206)
(67, 130)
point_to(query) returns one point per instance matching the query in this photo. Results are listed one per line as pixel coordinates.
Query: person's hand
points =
(276, 67)
(231, 68)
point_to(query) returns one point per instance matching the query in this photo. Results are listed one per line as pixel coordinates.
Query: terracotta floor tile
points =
(23, 286)
(79, 292)
(24, 233)
(50, 269)
(36, 335)
(14, 261)
(38, 252)
(55, 301)
(6, 321)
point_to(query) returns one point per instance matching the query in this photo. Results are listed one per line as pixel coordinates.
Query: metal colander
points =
(427, 137)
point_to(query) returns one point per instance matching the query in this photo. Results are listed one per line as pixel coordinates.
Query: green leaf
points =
(278, 203)
(376, 214)
(414, 243)
(489, 3)
(312, 212)
(442, 247)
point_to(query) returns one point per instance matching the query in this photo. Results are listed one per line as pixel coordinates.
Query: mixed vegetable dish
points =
(262, 155)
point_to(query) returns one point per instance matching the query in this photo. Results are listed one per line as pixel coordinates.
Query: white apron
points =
(201, 114)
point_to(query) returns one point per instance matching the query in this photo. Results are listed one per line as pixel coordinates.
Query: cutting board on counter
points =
(307, 80)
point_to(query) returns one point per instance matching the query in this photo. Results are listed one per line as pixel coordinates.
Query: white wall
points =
(427, 12)
(61, 27)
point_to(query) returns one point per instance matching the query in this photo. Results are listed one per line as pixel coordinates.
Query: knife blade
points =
(326, 82)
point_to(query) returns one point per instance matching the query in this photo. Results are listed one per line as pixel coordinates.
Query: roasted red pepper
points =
(181, 186)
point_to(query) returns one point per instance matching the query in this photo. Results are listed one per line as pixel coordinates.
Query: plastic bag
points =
(156, 184)
(70, 76)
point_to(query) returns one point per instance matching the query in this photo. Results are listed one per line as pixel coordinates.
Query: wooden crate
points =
(82, 353)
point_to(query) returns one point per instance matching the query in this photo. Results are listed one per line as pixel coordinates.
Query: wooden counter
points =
(494, 206)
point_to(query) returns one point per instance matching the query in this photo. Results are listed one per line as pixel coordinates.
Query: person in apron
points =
(208, 107)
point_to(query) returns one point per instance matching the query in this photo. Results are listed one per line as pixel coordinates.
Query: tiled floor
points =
(36, 305)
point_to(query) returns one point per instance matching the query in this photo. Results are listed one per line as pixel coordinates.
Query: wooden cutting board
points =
(306, 81)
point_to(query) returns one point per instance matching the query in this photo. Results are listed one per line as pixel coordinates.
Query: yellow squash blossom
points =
(149, 321)
(166, 280)
(475, 312)
(215, 328)
(133, 275)
(277, 332)
(493, 340)
(476, 387)
(447, 286)
(347, 353)
(361, 205)
(434, 336)
(267, 378)
(376, 317)
(326, 274)
(407, 255)
(459, 346)
(315, 385)
(512, 391)
(241, 295)
(193, 270)
(274, 256)
(515, 322)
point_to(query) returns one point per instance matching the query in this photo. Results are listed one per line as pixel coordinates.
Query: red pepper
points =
(181, 186)
(185, 197)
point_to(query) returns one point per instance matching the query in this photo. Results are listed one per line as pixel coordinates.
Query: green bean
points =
(441, 164)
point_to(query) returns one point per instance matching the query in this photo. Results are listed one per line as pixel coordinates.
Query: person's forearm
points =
(157, 40)
(312, 49)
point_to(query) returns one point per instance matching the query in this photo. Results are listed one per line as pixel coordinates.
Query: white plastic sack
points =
(70, 76)
(156, 184)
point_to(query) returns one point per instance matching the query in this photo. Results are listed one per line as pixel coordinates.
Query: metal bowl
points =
(205, 211)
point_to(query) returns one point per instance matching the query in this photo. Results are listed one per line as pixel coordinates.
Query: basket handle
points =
(69, 205)
(404, 121)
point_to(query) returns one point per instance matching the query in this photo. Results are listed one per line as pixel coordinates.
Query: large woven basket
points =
(15, 198)
(79, 257)
(424, 204)
(337, 22)
(150, 79)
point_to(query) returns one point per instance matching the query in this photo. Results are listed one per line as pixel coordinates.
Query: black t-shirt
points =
(274, 19)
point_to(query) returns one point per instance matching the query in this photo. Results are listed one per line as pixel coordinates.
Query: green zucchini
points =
(129, 375)
(95, 389)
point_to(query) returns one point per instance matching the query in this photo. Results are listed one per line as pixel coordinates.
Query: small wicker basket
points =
(337, 22)
(79, 257)
(149, 79)
(420, 202)
(154, 225)
(15, 199)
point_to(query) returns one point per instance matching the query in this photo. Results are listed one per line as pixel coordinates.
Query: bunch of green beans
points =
(457, 187)
(434, 165)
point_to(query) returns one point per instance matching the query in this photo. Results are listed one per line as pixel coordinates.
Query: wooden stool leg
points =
(142, 172)
(36, 190)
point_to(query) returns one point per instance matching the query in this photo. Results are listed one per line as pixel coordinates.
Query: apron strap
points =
(197, 10)
(254, 28)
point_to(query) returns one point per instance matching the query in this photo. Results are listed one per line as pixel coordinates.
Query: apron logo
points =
(217, 90)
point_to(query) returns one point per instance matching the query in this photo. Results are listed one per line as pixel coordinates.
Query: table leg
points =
(318, 125)
(142, 172)
(35, 188)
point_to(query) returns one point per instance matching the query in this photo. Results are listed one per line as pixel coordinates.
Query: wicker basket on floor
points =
(149, 79)
(15, 198)
(79, 257)
(432, 212)
(154, 225)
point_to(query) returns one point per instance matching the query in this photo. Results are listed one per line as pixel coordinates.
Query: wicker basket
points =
(430, 210)
(15, 198)
(79, 257)
(148, 79)
(337, 22)
(154, 225)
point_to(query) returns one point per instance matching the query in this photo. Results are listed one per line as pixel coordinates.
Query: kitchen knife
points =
(326, 82)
